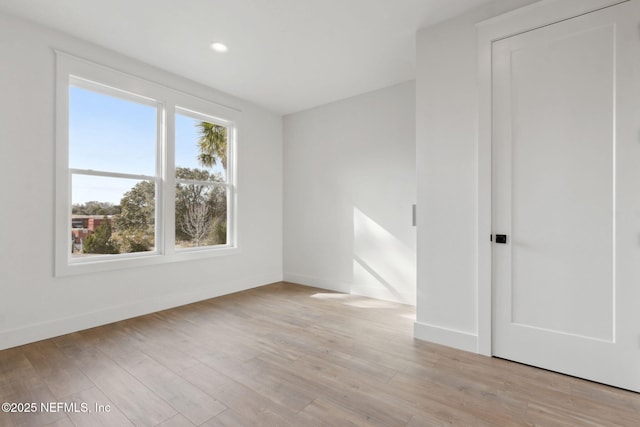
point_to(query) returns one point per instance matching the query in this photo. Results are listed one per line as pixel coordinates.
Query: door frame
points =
(531, 17)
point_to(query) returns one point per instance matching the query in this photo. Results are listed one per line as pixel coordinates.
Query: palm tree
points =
(212, 144)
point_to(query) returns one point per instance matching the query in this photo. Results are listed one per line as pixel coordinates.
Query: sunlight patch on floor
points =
(411, 316)
(323, 295)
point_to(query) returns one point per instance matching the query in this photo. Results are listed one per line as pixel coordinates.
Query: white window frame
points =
(71, 70)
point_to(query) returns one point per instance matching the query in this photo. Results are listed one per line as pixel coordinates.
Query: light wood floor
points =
(289, 355)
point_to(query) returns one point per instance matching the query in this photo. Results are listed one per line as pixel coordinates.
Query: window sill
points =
(102, 264)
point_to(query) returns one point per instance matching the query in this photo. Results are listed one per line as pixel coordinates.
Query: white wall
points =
(446, 141)
(349, 185)
(33, 303)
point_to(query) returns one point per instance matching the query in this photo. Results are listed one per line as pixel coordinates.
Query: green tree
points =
(212, 144)
(135, 225)
(218, 231)
(218, 204)
(100, 241)
(95, 208)
(197, 175)
(134, 241)
(200, 208)
(213, 148)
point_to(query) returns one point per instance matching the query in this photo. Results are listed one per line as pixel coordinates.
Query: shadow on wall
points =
(383, 265)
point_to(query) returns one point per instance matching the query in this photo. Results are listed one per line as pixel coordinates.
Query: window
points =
(113, 170)
(202, 185)
(144, 173)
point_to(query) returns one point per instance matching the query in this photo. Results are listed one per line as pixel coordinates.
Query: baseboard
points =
(330, 285)
(444, 336)
(49, 329)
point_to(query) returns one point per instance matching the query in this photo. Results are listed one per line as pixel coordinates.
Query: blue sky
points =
(116, 135)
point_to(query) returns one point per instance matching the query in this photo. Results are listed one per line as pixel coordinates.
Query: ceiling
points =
(285, 55)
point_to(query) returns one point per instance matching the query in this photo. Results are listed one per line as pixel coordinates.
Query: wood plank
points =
(133, 398)
(56, 370)
(102, 411)
(176, 421)
(291, 355)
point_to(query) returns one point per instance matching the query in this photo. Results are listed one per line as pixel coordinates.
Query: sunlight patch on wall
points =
(383, 265)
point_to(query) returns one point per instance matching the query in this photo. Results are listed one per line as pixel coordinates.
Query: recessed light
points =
(219, 47)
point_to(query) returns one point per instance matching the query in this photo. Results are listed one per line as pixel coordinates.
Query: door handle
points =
(501, 238)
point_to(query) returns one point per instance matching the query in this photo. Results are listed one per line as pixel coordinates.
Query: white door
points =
(566, 193)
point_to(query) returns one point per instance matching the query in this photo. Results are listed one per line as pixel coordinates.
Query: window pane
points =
(201, 215)
(111, 215)
(111, 134)
(200, 146)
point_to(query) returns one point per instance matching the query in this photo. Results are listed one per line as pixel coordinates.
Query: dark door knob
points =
(501, 238)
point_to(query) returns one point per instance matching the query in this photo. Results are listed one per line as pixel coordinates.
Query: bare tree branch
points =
(197, 221)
